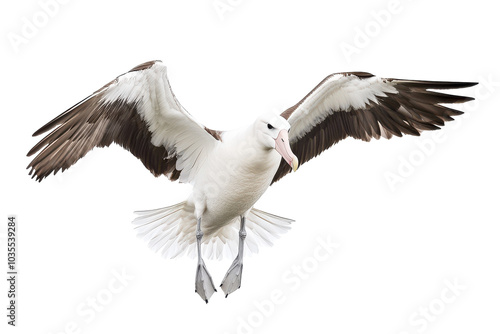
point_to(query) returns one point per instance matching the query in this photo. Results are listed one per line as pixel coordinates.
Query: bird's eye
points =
(270, 127)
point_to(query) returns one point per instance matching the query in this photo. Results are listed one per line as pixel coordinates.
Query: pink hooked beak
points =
(283, 148)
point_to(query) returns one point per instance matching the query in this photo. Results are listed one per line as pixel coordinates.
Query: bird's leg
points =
(232, 280)
(204, 285)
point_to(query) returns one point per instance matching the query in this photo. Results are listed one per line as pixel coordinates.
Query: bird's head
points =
(272, 133)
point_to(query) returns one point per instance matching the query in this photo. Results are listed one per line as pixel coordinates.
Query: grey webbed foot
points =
(204, 286)
(232, 280)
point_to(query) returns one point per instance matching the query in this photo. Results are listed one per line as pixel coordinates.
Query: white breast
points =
(234, 178)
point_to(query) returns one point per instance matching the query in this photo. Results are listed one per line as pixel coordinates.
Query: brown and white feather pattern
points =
(138, 111)
(363, 106)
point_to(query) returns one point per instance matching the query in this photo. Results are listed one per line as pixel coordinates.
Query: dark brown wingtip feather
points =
(59, 119)
(468, 84)
(432, 97)
(423, 84)
(31, 152)
(50, 125)
(359, 74)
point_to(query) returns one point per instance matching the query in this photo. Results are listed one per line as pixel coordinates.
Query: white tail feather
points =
(172, 232)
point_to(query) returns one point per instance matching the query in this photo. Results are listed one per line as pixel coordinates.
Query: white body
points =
(234, 177)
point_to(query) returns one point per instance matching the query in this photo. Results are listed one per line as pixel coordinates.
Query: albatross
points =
(230, 170)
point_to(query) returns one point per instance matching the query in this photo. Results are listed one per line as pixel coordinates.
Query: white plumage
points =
(338, 92)
(160, 229)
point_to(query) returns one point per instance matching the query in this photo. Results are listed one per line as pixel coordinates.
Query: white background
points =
(398, 246)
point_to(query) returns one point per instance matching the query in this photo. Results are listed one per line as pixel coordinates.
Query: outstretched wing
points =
(363, 106)
(138, 111)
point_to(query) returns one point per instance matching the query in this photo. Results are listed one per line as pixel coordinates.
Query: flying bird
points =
(230, 170)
